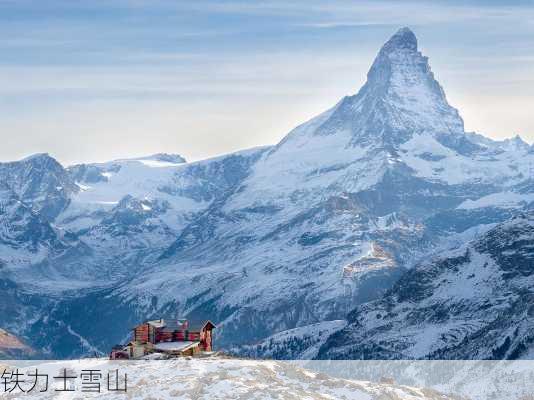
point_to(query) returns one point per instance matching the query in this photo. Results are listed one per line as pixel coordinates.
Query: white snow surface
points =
(219, 378)
(173, 346)
(506, 199)
(312, 337)
(452, 297)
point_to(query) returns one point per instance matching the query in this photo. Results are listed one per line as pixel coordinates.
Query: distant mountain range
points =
(378, 229)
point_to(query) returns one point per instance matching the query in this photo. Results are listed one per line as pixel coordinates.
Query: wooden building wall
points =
(145, 333)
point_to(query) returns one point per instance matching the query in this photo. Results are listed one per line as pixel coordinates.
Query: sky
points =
(96, 80)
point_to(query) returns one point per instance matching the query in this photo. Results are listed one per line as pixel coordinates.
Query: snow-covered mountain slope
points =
(41, 181)
(400, 99)
(181, 188)
(221, 378)
(267, 239)
(120, 215)
(279, 244)
(103, 236)
(301, 343)
(25, 237)
(474, 301)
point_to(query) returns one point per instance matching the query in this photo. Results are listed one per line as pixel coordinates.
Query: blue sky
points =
(98, 80)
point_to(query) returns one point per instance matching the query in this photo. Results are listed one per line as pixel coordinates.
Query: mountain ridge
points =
(474, 301)
(268, 239)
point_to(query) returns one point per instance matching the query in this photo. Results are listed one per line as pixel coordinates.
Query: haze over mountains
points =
(282, 237)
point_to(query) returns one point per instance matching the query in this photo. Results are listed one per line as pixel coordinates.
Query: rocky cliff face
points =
(474, 301)
(400, 99)
(41, 181)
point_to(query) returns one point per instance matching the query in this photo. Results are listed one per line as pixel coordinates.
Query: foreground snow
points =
(218, 378)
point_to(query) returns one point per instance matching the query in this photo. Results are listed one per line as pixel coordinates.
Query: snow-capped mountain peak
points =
(400, 99)
(382, 127)
(41, 182)
(400, 65)
(262, 240)
(166, 157)
(402, 96)
(515, 143)
(36, 157)
(404, 38)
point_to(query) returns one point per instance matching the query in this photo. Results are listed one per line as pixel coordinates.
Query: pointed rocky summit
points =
(403, 39)
(400, 98)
